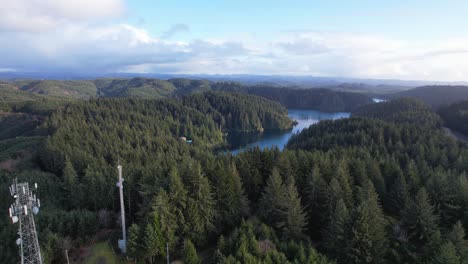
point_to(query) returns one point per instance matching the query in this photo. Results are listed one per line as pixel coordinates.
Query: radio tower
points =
(123, 241)
(26, 205)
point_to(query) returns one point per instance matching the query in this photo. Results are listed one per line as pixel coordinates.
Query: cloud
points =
(79, 36)
(174, 29)
(38, 16)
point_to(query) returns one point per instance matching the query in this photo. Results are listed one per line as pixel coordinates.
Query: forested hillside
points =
(146, 88)
(400, 185)
(403, 110)
(384, 186)
(319, 99)
(455, 116)
(436, 96)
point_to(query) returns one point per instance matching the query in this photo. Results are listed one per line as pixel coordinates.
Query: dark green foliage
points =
(447, 254)
(420, 218)
(142, 88)
(380, 188)
(189, 253)
(403, 110)
(455, 116)
(133, 242)
(281, 207)
(253, 242)
(367, 240)
(238, 112)
(320, 99)
(437, 95)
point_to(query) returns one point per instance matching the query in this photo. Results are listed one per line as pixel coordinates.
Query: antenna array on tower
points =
(22, 211)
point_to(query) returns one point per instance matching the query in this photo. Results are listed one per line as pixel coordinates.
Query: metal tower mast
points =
(22, 211)
(123, 242)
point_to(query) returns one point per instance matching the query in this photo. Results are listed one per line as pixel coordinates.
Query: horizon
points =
(361, 40)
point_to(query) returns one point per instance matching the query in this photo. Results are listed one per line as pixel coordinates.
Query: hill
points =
(319, 99)
(455, 116)
(74, 89)
(135, 88)
(436, 96)
(331, 99)
(401, 110)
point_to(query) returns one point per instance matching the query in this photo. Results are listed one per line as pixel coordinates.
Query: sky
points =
(398, 39)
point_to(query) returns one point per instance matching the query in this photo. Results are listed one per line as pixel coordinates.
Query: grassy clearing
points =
(101, 253)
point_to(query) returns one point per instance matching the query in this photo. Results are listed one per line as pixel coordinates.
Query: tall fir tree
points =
(367, 241)
(420, 218)
(189, 253)
(336, 233)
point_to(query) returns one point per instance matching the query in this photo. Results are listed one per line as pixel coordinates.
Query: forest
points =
(384, 186)
(147, 88)
(455, 116)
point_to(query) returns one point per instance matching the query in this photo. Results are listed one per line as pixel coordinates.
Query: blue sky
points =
(396, 18)
(424, 40)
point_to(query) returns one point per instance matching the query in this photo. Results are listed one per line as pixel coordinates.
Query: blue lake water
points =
(244, 141)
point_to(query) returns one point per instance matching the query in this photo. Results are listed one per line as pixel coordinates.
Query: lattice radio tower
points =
(24, 208)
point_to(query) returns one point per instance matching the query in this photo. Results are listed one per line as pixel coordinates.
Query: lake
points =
(244, 141)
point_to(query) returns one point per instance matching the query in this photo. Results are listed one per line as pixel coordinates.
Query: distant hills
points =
(436, 96)
(147, 88)
(338, 97)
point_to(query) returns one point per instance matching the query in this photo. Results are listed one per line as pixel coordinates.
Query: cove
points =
(244, 141)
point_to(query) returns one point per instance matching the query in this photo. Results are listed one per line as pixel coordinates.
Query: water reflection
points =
(243, 141)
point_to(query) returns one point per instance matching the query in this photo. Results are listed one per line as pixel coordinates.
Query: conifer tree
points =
(446, 255)
(153, 245)
(420, 218)
(336, 233)
(457, 237)
(294, 220)
(70, 178)
(272, 201)
(134, 242)
(163, 208)
(367, 240)
(189, 253)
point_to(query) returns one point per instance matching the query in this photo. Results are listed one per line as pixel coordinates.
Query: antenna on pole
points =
(123, 241)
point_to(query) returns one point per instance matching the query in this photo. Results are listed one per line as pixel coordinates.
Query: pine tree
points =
(367, 238)
(457, 237)
(231, 201)
(153, 245)
(189, 253)
(399, 195)
(70, 178)
(419, 217)
(295, 218)
(272, 201)
(178, 199)
(336, 234)
(134, 242)
(446, 255)
(164, 209)
(200, 213)
(343, 177)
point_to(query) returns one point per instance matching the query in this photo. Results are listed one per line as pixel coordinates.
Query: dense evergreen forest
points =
(320, 99)
(436, 95)
(145, 88)
(455, 116)
(384, 186)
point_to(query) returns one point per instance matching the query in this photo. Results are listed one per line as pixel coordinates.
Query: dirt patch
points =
(265, 246)
(9, 165)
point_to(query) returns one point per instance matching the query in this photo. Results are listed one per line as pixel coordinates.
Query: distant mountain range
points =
(376, 85)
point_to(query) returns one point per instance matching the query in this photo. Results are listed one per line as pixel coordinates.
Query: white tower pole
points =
(123, 242)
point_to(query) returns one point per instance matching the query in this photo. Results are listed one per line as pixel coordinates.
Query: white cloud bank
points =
(89, 36)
